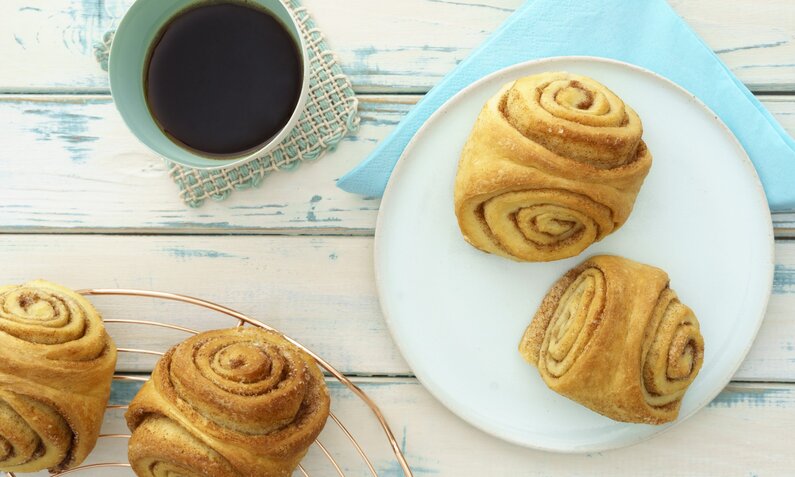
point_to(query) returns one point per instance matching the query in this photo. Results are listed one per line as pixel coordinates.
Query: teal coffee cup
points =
(136, 37)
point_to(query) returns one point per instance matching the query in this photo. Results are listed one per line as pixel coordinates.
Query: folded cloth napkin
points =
(647, 33)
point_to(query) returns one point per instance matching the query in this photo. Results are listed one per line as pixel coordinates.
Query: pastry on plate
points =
(554, 163)
(614, 337)
(56, 368)
(243, 402)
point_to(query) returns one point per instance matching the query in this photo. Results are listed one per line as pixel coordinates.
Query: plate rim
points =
(436, 391)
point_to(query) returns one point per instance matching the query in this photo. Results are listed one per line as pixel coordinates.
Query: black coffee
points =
(223, 78)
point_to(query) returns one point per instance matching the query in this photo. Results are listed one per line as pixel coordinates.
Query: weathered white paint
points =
(83, 171)
(69, 165)
(385, 45)
(319, 290)
(742, 433)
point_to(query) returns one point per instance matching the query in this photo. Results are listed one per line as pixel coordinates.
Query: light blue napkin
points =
(647, 33)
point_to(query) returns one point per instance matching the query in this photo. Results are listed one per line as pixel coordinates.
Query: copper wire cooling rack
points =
(242, 320)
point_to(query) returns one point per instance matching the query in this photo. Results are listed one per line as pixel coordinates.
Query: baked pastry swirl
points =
(554, 163)
(614, 337)
(56, 368)
(242, 402)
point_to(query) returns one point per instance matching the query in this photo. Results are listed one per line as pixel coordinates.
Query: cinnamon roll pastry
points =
(56, 368)
(242, 402)
(554, 163)
(614, 337)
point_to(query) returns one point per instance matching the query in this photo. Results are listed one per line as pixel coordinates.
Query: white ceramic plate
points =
(457, 314)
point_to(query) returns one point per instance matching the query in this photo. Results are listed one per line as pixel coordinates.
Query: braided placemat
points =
(330, 113)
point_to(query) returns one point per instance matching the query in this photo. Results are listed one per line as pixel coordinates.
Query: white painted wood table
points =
(84, 204)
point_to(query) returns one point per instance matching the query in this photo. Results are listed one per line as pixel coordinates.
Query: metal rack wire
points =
(242, 320)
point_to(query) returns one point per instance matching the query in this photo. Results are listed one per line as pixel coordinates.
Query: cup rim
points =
(249, 156)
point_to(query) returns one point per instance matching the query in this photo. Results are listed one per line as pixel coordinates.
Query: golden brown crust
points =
(56, 368)
(240, 402)
(613, 336)
(553, 164)
(159, 445)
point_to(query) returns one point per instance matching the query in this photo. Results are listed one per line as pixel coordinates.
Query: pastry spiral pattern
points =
(614, 337)
(553, 164)
(242, 402)
(56, 368)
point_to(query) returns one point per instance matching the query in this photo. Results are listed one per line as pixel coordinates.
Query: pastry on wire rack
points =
(56, 369)
(241, 402)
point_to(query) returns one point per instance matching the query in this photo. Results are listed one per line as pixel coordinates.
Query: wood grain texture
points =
(71, 167)
(733, 436)
(83, 171)
(320, 290)
(386, 46)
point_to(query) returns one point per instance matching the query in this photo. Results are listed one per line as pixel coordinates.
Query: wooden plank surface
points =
(319, 290)
(385, 46)
(70, 166)
(742, 433)
(83, 171)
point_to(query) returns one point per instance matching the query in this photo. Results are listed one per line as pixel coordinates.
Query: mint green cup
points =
(129, 53)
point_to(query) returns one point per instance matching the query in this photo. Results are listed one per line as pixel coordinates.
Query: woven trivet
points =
(329, 115)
